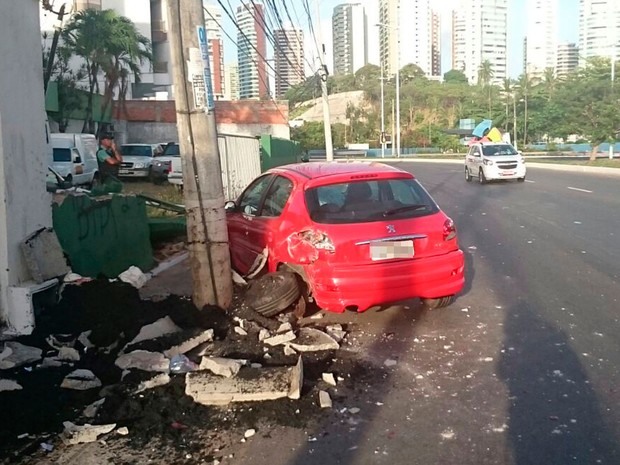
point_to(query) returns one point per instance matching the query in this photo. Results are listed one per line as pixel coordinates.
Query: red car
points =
(359, 234)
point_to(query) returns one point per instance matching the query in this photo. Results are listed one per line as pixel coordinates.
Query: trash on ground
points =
(181, 364)
(134, 276)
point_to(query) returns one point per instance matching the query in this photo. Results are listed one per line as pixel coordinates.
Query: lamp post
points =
(382, 115)
(395, 28)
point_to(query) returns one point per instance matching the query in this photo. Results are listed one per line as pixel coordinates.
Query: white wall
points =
(23, 198)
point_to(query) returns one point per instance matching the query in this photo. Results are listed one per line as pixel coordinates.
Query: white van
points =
(75, 158)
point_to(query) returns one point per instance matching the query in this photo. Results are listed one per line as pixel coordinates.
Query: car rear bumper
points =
(335, 288)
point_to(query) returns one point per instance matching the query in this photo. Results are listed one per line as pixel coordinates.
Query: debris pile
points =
(103, 362)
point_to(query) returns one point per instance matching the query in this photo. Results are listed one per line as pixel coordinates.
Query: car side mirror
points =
(230, 206)
(77, 159)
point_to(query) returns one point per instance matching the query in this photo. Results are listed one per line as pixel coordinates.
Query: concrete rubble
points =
(122, 431)
(329, 379)
(91, 410)
(240, 331)
(134, 276)
(158, 380)
(44, 256)
(189, 344)
(336, 331)
(313, 340)
(80, 380)
(15, 354)
(280, 339)
(284, 328)
(325, 401)
(7, 385)
(263, 334)
(257, 385)
(221, 366)
(144, 360)
(68, 354)
(289, 351)
(81, 434)
(162, 327)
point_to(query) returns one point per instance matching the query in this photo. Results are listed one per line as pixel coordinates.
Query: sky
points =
(568, 28)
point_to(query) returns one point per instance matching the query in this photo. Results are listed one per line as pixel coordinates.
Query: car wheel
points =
(521, 179)
(273, 293)
(482, 179)
(439, 302)
(467, 175)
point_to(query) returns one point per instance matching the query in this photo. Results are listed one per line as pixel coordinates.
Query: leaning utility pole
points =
(323, 74)
(202, 180)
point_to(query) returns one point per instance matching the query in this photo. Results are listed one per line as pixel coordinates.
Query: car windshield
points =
(368, 201)
(62, 154)
(137, 150)
(171, 150)
(498, 150)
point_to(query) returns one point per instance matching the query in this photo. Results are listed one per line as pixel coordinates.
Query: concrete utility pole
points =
(327, 124)
(202, 179)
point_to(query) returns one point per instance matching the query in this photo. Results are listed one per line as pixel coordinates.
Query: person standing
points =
(109, 158)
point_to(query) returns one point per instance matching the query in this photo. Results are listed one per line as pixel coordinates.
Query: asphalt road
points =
(522, 369)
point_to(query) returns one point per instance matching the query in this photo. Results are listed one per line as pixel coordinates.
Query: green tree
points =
(525, 84)
(485, 75)
(110, 45)
(455, 76)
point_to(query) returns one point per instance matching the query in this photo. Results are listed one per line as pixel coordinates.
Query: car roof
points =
(137, 144)
(316, 170)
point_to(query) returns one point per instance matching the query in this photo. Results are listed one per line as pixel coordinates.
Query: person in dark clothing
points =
(109, 158)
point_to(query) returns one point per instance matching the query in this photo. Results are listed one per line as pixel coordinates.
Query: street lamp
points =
(382, 115)
(395, 28)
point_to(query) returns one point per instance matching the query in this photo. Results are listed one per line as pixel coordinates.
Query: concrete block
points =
(313, 340)
(44, 256)
(15, 354)
(221, 366)
(81, 434)
(192, 343)
(255, 385)
(280, 339)
(144, 360)
(325, 401)
(80, 380)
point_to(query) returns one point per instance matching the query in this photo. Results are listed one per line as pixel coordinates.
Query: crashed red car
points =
(359, 234)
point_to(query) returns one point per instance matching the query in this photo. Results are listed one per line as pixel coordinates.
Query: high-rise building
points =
(405, 35)
(288, 59)
(436, 44)
(231, 82)
(599, 29)
(350, 38)
(567, 61)
(542, 35)
(252, 51)
(480, 34)
(213, 22)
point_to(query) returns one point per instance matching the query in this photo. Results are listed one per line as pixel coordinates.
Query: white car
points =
(489, 161)
(137, 160)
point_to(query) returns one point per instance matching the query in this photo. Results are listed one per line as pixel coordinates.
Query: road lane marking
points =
(527, 180)
(579, 190)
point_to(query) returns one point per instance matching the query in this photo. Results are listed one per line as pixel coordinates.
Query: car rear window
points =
(62, 155)
(137, 150)
(368, 201)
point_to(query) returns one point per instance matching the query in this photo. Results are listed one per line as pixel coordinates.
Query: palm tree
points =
(485, 74)
(550, 81)
(507, 91)
(526, 84)
(109, 44)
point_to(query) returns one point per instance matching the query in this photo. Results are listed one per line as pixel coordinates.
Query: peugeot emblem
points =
(391, 228)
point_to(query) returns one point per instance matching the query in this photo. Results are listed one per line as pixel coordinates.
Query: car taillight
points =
(319, 240)
(449, 230)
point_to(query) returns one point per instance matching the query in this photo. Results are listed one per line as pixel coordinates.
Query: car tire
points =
(482, 179)
(273, 293)
(439, 302)
(467, 175)
(521, 179)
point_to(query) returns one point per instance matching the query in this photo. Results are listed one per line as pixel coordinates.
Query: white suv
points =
(489, 161)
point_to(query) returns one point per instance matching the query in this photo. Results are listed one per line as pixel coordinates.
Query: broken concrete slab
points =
(159, 328)
(51, 362)
(336, 331)
(58, 341)
(91, 410)
(252, 385)
(44, 256)
(329, 379)
(80, 380)
(280, 339)
(134, 276)
(313, 340)
(68, 354)
(122, 431)
(189, 344)
(325, 401)
(240, 331)
(221, 366)
(289, 351)
(263, 334)
(144, 360)
(83, 339)
(284, 328)
(81, 434)
(158, 380)
(15, 354)
(7, 385)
